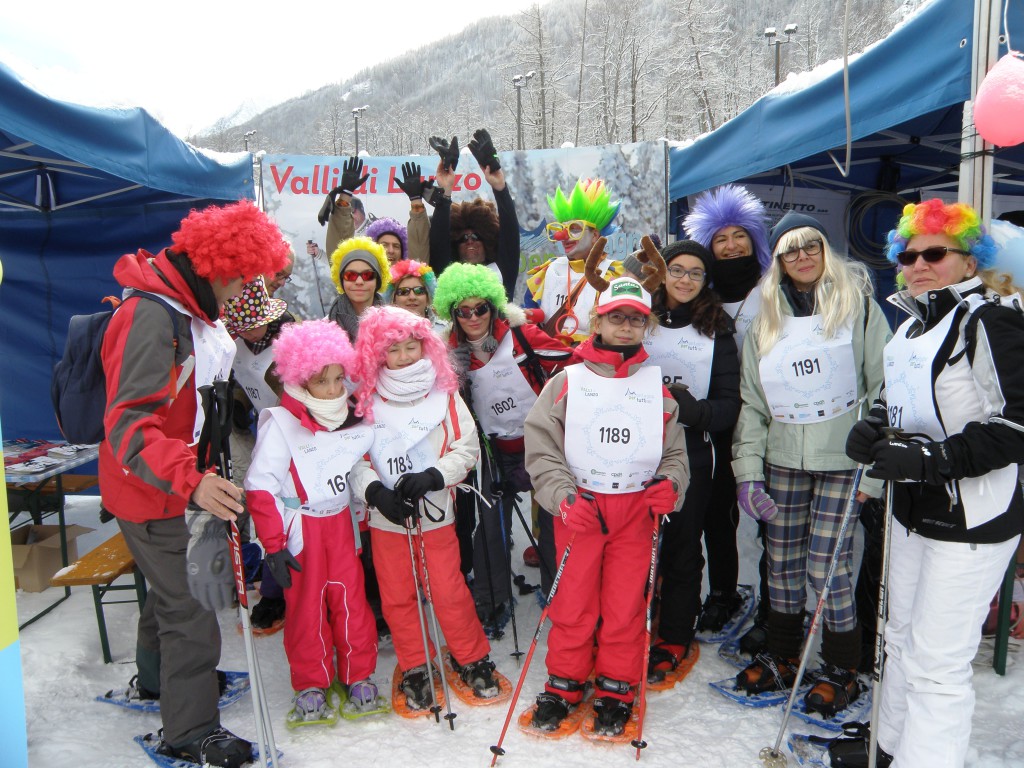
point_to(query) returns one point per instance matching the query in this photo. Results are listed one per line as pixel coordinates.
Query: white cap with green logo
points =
(624, 292)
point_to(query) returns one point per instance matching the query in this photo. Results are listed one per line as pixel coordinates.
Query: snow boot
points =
(851, 749)
(416, 685)
(717, 610)
(311, 704)
(551, 710)
(836, 689)
(267, 611)
(664, 658)
(611, 715)
(362, 695)
(220, 747)
(135, 691)
(768, 672)
(755, 640)
(478, 675)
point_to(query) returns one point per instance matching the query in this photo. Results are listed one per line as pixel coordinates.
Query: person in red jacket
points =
(297, 489)
(604, 447)
(148, 463)
(505, 362)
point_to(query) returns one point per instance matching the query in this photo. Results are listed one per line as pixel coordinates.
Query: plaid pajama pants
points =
(802, 538)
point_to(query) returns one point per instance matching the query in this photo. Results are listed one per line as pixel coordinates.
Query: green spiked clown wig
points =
(590, 201)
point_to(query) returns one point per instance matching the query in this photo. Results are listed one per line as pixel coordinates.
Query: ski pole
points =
(529, 535)
(881, 617)
(434, 706)
(450, 717)
(772, 757)
(639, 742)
(497, 749)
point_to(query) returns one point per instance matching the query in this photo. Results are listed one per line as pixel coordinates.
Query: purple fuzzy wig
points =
(388, 226)
(304, 349)
(379, 328)
(730, 206)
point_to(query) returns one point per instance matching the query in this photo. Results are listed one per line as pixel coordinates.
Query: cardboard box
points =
(35, 550)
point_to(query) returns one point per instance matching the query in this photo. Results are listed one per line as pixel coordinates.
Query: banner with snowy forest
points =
(294, 188)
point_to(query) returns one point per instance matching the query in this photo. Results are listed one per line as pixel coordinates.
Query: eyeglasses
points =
(350, 275)
(618, 318)
(931, 255)
(468, 312)
(418, 290)
(282, 279)
(696, 275)
(811, 248)
(469, 237)
(567, 230)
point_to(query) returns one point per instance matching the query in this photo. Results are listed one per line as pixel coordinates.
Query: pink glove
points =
(661, 497)
(578, 513)
(755, 501)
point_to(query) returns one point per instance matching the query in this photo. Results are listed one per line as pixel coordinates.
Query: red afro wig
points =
(230, 241)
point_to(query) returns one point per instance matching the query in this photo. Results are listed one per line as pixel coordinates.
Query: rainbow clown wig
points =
(956, 220)
(388, 226)
(360, 249)
(379, 328)
(730, 206)
(590, 201)
(410, 268)
(302, 350)
(225, 242)
(468, 281)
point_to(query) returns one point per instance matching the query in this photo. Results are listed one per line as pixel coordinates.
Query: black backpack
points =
(79, 386)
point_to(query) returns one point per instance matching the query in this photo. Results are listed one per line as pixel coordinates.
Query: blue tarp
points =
(79, 187)
(906, 97)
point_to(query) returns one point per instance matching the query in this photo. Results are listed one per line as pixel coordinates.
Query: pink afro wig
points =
(304, 349)
(379, 328)
(225, 242)
(933, 217)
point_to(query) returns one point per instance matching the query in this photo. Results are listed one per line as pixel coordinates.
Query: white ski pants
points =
(939, 594)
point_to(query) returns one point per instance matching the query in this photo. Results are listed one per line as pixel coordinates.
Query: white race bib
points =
(684, 356)
(400, 433)
(501, 394)
(559, 280)
(743, 314)
(250, 373)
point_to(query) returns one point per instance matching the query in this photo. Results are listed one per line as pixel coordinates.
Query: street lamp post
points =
(355, 116)
(519, 82)
(774, 41)
(246, 136)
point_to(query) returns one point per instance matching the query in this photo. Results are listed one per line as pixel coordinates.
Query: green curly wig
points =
(467, 281)
(589, 200)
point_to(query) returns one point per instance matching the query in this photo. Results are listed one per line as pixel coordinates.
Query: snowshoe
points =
(477, 683)
(766, 682)
(233, 685)
(219, 748)
(859, 708)
(410, 694)
(669, 664)
(313, 706)
(494, 620)
(610, 719)
(847, 751)
(835, 690)
(553, 717)
(267, 616)
(361, 700)
(723, 616)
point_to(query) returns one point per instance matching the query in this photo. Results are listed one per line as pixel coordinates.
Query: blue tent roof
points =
(79, 187)
(906, 96)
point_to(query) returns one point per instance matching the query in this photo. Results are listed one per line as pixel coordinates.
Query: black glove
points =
(483, 150)
(328, 207)
(412, 182)
(449, 152)
(866, 432)
(389, 503)
(415, 485)
(896, 459)
(211, 576)
(279, 563)
(690, 410)
(351, 176)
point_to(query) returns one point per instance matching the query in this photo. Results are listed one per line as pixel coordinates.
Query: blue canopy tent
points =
(79, 187)
(907, 97)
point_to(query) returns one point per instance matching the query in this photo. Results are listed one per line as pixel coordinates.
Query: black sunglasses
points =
(469, 237)
(419, 290)
(467, 312)
(930, 255)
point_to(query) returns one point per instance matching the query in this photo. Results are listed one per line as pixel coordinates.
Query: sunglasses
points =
(468, 312)
(567, 230)
(350, 275)
(469, 237)
(931, 255)
(418, 290)
(811, 248)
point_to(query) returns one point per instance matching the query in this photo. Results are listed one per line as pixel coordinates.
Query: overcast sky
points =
(190, 63)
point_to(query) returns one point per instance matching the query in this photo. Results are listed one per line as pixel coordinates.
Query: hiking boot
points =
(551, 710)
(664, 659)
(311, 704)
(478, 675)
(220, 747)
(755, 640)
(768, 672)
(718, 609)
(611, 715)
(135, 692)
(266, 612)
(836, 689)
(363, 695)
(417, 687)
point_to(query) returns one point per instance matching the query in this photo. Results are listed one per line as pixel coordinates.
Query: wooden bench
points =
(44, 498)
(98, 569)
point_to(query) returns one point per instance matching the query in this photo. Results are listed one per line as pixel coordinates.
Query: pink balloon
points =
(999, 105)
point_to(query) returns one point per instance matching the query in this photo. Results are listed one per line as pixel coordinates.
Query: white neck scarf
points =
(406, 384)
(327, 413)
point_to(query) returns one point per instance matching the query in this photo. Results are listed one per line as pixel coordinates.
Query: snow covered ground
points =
(690, 726)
